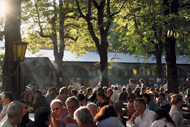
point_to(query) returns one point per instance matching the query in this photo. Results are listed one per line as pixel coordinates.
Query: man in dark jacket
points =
(39, 100)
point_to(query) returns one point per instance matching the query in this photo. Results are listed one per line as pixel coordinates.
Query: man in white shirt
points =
(112, 95)
(7, 98)
(142, 117)
(78, 84)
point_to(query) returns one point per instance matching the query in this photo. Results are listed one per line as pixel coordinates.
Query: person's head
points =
(123, 96)
(106, 112)
(109, 92)
(73, 78)
(74, 92)
(162, 96)
(129, 90)
(163, 113)
(38, 93)
(140, 105)
(130, 107)
(138, 88)
(81, 97)
(15, 112)
(152, 96)
(63, 92)
(146, 97)
(89, 90)
(157, 90)
(179, 88)
(141, 81)
(131, 80)
(100, 90)
(161, 90)
(166, 94)
(177, 99)
(83, 88)
(25, 107)
(70, 88)
(56, 106)
(153, 90)
(53, 90)
(188, 80)
(72, 104)
(136, 93)
(148, 89)
(78, 80)
(115, 88)
(105, 89)
(42, 115)
(83, 115)
(124, 89)
(100, 96)
(7, 98)
(93, 108)
(144, 90)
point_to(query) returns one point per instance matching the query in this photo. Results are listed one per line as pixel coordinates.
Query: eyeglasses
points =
(55, 109)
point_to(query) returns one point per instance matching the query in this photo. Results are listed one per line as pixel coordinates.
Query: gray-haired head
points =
(14, 108)
(73, 99)
(56, 101)
(83, 115)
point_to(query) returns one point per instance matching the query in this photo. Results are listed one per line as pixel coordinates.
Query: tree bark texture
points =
(171, 69)
(170, 42)
(12, 34)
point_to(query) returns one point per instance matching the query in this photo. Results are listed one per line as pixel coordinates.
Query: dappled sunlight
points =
(2, 8)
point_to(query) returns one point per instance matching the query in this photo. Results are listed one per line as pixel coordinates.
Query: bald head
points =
(93, 108)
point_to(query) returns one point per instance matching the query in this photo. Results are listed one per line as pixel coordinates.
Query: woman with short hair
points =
(108, 117)
(162, 119)
(84, 117)
(175, 111)
(149, 103)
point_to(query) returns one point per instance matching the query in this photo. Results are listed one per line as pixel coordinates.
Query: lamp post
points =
(19, 49)
(135, 73)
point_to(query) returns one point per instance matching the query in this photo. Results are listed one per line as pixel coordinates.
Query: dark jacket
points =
(41, 102)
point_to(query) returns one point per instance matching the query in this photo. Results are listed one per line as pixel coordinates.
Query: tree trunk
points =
(159, 69)
(12, 34)
(171, 69)
(158, 54)
(170, 42)
(104, 66)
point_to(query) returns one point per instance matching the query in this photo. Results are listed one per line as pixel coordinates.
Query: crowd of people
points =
(77, 106)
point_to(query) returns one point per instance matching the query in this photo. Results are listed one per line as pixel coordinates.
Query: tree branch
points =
(95, 3)
(79, 10)
(74, 39)
(44, 36)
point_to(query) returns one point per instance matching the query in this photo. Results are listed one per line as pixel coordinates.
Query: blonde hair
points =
(175, 98)
(83, 115)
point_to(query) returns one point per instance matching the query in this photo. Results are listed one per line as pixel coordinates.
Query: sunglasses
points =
(55, 109)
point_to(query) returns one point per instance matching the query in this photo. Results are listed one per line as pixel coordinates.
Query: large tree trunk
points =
(170, 42)
(171, 69)
(159, 69)
(104, 65)
(159, 49)
(12, 34)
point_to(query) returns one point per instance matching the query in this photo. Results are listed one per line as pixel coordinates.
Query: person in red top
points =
(58, 111)
(84, 117)
(131, 109)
